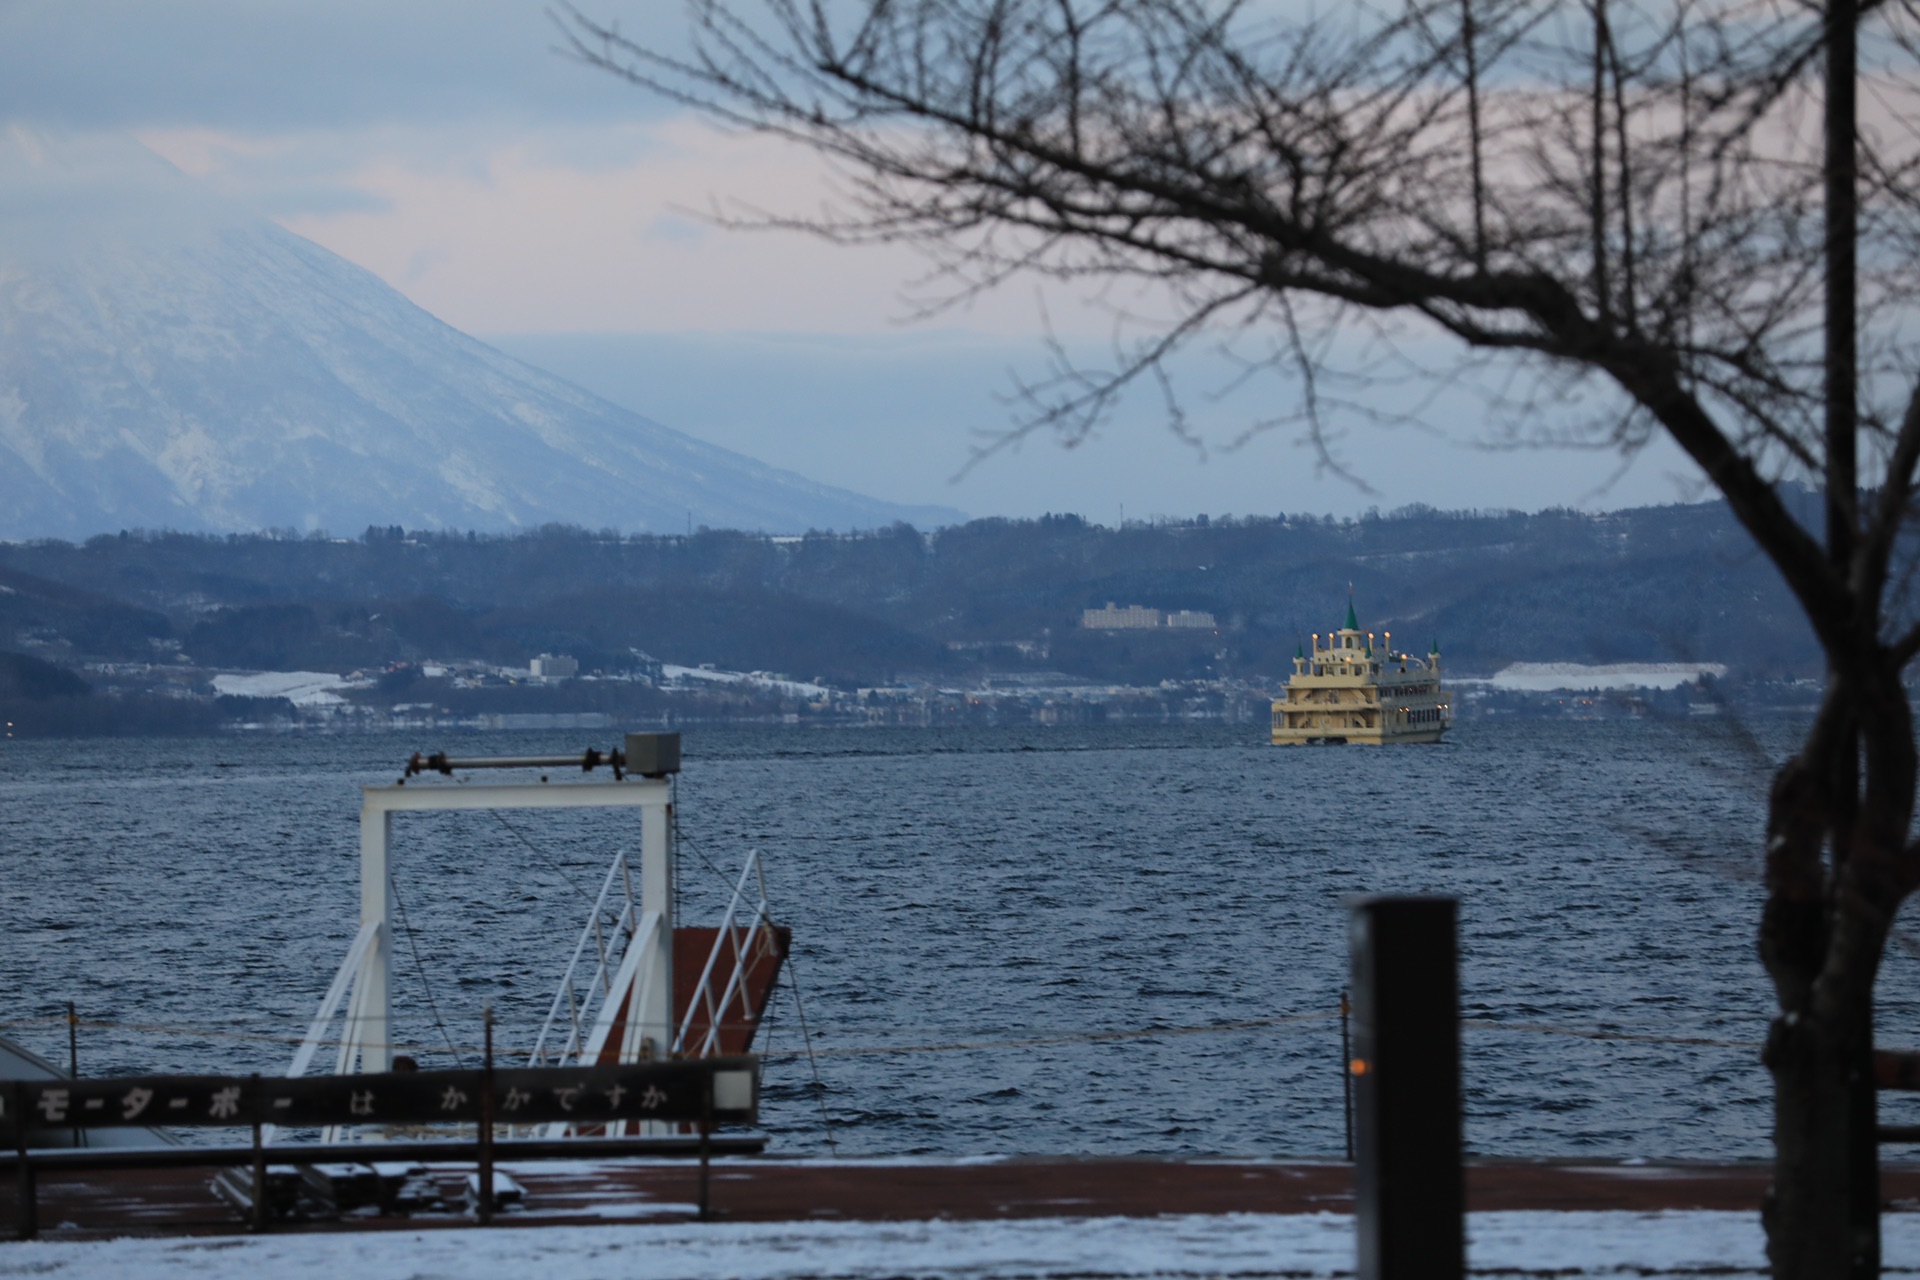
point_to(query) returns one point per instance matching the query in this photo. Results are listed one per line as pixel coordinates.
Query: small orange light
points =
(1358, 1066)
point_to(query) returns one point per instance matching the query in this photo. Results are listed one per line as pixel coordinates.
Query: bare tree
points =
(1657, 203)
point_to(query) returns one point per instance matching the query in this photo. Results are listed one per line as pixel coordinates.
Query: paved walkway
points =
(179, 1201)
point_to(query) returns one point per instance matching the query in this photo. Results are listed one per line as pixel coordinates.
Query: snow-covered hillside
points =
(168, 361)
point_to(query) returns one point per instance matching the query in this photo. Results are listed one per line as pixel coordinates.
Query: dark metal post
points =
(706, 1137)
(73, 1058)
(1346, 1069)
(25, 1210)
(1841, 178)
(485, 1208)
(261, 1216)
(1409, 1185)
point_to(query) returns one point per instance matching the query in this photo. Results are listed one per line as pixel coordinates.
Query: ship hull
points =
(1352, 737)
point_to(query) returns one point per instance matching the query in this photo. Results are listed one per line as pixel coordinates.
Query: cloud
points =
(673, 226)
(508, 229)
(251, 67)
(59, 192)
(896, 413)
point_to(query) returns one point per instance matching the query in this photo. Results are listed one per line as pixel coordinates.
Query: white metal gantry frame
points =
(645, 981)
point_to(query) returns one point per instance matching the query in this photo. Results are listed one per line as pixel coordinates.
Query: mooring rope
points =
(813, 1062)
(1076, 1037)
(1040, 1040)
(1632, 1037)
(426, 983)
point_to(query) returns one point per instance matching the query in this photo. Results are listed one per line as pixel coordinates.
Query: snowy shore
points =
(1560, 1244)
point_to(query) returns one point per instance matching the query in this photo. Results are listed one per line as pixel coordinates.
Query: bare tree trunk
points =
(1810, 1218)
(1823, 930)
(1806, 1215)
(1806, 1205)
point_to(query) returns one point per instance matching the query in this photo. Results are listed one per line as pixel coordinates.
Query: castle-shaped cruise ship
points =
(1349, 692)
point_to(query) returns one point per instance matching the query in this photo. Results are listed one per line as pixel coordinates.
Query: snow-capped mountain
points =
(167, 362)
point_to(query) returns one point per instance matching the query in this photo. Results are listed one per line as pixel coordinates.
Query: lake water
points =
(1017, 940)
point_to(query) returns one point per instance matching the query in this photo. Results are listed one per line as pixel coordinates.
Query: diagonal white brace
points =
(363, 943)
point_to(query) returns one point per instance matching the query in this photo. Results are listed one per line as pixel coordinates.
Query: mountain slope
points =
(168, 363)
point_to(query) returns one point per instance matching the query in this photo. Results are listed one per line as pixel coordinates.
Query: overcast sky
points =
(446, 146)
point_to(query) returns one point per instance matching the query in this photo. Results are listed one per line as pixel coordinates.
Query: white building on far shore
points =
(1120, 618)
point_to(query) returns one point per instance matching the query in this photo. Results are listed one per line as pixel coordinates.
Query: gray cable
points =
(413, 945)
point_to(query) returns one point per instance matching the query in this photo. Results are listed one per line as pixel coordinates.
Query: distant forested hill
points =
(1667, 583)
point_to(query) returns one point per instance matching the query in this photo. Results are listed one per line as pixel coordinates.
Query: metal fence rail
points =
(701, 1092)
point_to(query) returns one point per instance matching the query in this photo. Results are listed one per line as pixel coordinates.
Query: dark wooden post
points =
(485, 1207)
(706, 1136)
(1409, 1186)
(26, 1217)
(261, 1214)
(1346, 1069)
(73, 1057)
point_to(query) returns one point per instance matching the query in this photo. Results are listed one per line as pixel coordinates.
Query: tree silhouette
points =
(1667, 206)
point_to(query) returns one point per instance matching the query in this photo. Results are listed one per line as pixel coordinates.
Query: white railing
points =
(587, 1006)
(570, 1001)
(749, 943)
(580, 1007)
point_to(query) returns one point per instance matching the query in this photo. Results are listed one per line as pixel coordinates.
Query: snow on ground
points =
(1548, 677)
(301, 688)
(1610, 1244)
